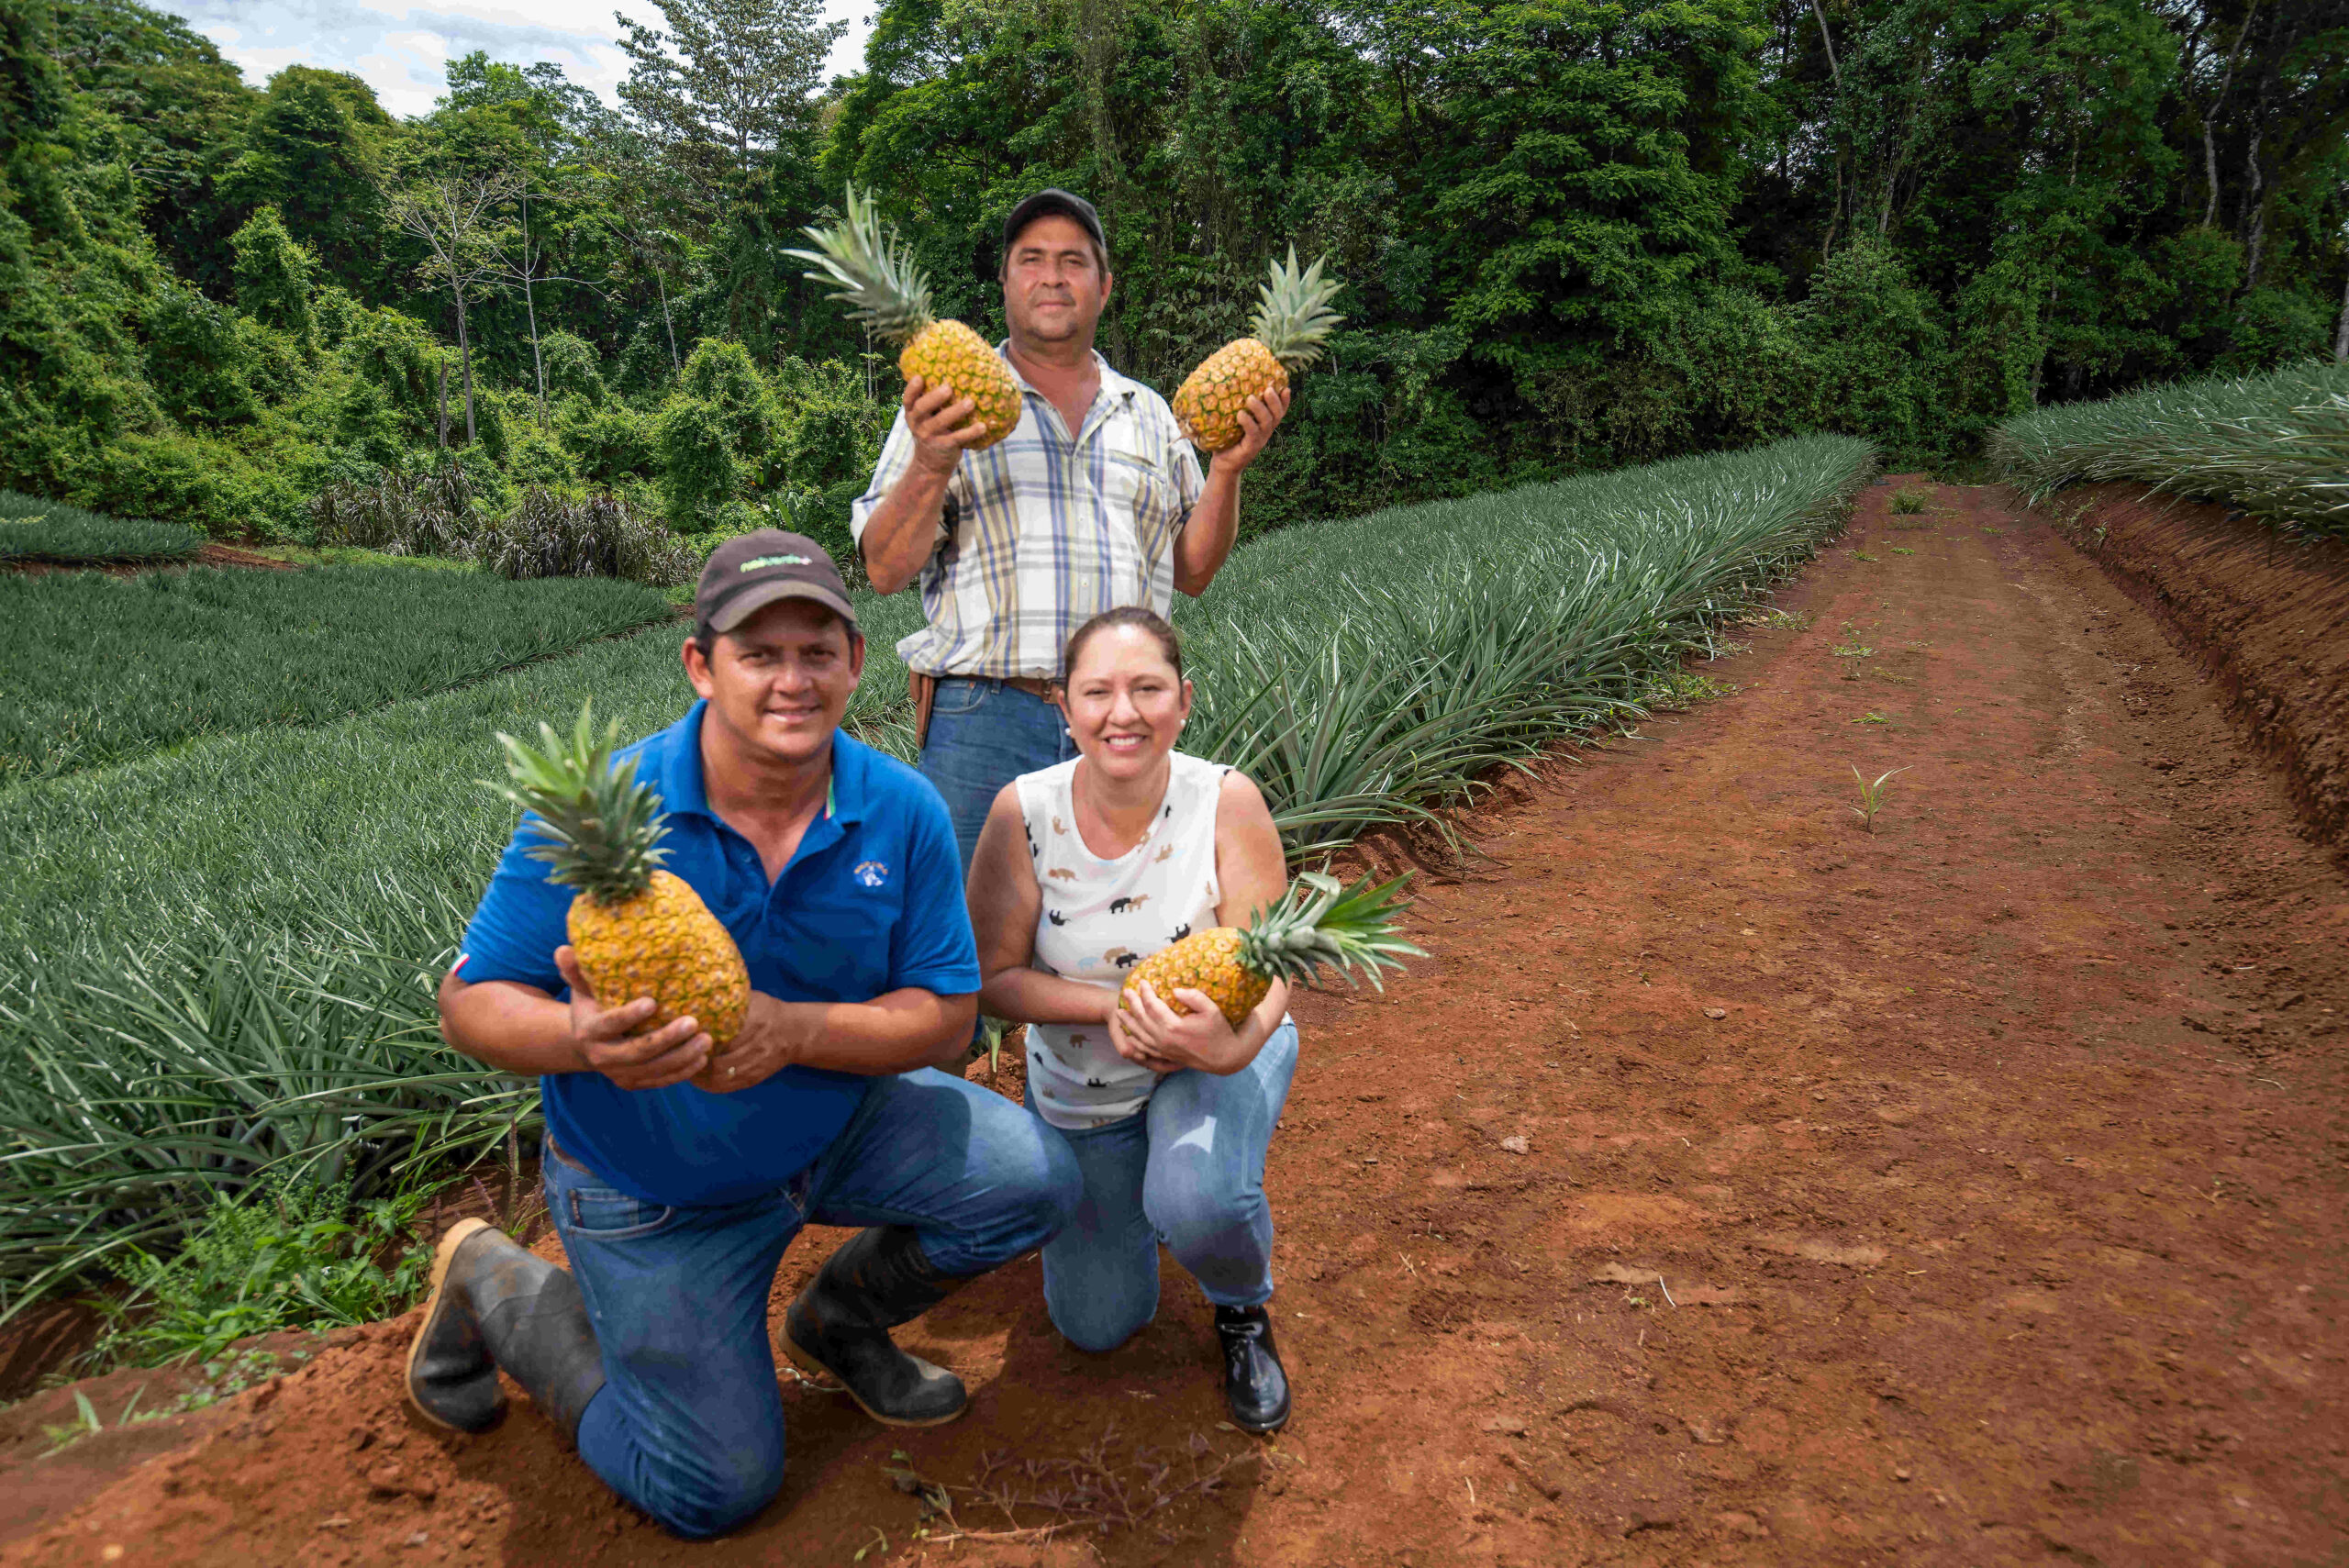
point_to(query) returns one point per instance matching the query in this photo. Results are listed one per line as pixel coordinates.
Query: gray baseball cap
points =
(748, 573)
(1044, 203)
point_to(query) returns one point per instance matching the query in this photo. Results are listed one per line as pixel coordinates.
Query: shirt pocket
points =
(1141, 490)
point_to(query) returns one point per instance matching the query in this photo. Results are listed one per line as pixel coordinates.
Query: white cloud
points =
(402, 51)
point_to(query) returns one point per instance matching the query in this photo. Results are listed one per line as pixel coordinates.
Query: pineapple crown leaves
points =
(602, 828)
(1293, 318)
(1317, 922)
(872, 269)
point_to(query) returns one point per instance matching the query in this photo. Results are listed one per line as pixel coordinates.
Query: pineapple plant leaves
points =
(1317, 924)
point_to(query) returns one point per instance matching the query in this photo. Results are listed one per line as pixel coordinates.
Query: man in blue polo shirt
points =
(677, 1177)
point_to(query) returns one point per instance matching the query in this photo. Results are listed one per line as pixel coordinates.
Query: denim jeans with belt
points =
(688, 1425)
(1188, 1170)
(983, 735)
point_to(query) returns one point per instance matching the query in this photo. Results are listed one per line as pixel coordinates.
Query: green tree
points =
(273, 275)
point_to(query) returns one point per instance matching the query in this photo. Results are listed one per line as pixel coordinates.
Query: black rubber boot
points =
(495, 1306)
(1254, 1383)
(839, 1325)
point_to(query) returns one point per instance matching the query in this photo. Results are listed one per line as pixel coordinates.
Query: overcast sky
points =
(402, 51)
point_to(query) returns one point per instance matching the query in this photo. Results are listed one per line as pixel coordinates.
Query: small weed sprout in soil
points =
(287, 1257)
(1910, 501)
(227, 1376)
(1872, 796)
(1861, 555)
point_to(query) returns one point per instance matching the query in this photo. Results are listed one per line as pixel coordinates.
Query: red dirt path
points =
(2000, 1209)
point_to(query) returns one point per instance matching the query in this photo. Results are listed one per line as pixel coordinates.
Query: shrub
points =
(698, 472)
(611, 443)
(573, 367)
(286, 1257)
(548, 536)
(196, 360)
(425, 514)
(273, 273)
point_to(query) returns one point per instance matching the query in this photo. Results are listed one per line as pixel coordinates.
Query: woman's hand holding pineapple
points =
(1149, 1033)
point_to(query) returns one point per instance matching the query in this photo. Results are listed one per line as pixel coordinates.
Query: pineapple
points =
(1314, 925)
(638, 930)
(1288, 332)
(881, 287)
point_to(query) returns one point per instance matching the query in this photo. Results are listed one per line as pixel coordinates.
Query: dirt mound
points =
(1733, 1185)
(2264, 614)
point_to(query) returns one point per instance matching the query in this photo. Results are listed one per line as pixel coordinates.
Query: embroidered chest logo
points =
(872, 874)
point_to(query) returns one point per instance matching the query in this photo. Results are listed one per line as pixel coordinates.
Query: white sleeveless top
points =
(1101, 917)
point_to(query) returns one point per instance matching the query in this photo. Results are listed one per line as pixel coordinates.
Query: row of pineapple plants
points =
(2273, 446)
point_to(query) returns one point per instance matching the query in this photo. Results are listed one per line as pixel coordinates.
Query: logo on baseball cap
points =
(746, 574)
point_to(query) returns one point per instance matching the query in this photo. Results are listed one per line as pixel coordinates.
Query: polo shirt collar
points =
(676, 773)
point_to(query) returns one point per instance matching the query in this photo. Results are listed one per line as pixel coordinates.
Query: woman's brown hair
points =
(1147, 620)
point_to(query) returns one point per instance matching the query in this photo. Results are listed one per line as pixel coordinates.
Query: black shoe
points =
(494, 1304)
(1254, 1383)
(839, 1326)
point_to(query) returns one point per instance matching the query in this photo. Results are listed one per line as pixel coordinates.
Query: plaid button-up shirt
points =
(1042, 531)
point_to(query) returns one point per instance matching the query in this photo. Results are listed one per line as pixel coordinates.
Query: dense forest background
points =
(1575, 234)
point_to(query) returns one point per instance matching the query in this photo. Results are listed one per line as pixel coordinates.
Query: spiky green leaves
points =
(872, 268)
(1293, 316)
(1316, 923)
(603, 828)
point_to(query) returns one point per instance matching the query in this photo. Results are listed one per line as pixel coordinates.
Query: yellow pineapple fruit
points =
(638, 930)
(881, 286)
(1292, 320)
(1314, 924)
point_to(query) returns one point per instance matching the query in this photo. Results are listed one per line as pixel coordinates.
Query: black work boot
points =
(1253, 1382)
(841, 1326)
(494, 1304)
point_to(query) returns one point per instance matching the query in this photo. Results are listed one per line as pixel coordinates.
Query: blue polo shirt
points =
(871, 902)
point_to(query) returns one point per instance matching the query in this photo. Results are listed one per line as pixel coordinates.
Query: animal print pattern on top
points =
(1101, 917)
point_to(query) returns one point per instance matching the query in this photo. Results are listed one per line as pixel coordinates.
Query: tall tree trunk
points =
(674, 364)
(1833, 69)
(530, 304)
(536, 362)
(2256, 215)
(2210, 143)
(465, 356)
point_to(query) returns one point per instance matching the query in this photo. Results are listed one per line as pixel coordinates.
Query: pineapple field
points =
(1744, 1176)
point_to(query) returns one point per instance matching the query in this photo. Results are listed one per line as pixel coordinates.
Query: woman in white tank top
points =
(1083, 870)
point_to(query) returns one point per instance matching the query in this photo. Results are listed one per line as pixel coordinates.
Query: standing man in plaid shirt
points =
(1094, 501)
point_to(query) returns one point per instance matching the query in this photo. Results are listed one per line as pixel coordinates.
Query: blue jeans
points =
(1186, 1169)
(983, 735)
(688, 1425)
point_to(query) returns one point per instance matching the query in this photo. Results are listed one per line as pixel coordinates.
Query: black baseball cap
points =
(748, 573)
(1044, 203)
